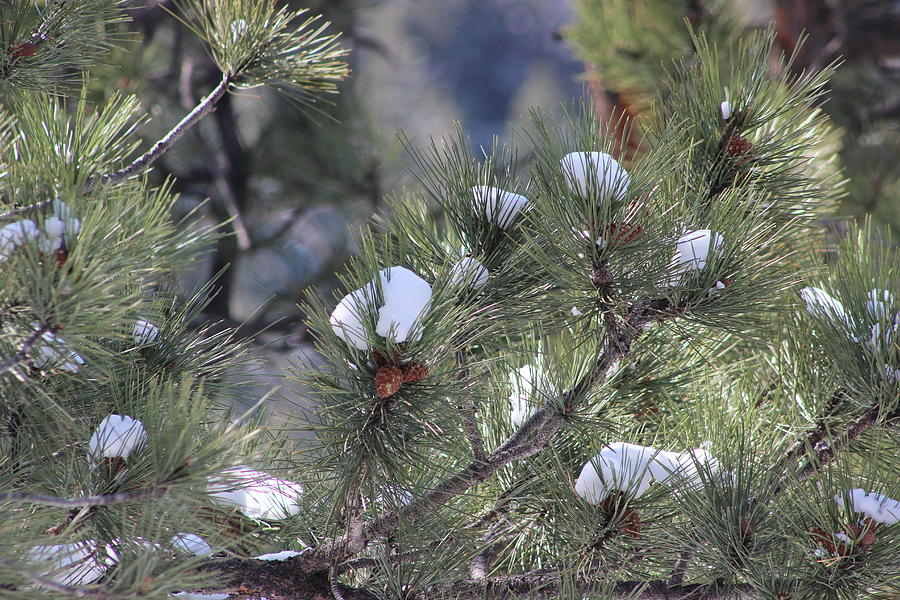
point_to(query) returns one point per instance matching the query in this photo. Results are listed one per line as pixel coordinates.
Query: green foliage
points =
(260, 44)
(509, 392)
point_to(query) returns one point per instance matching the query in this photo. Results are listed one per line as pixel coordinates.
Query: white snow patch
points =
(258, 495)
(190, 596)
(116, 436)
(726, 109)
(528, 384)
(347, 318)
(877, 507)
(192, 544)
(595, 174)
(69, 564)
(406, 298)
(499, 205)
(693, 251)
(283, 555)
(14, 235)
(631, 468)
(53, 351)
(823, 305)
(469, 270)
(144, 332)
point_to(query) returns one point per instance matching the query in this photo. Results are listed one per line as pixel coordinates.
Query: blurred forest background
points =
(295, 186)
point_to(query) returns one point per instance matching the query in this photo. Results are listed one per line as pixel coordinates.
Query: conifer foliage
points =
(575, 376)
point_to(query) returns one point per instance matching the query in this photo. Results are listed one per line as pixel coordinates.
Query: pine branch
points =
(545, 583)
(76, 591)
(24, 349)
(23, 210)
(100, 500)
(825, 450)
(531, 438)
(469, 411)
(143, 162)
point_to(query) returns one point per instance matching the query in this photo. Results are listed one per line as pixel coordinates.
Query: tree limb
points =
(469, 411)
(143, 162)
(545, 583)
(24, 349)
(101, 500)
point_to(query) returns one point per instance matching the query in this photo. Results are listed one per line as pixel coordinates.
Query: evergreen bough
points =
(481, 376)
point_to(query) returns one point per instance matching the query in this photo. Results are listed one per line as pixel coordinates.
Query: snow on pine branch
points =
(595, 175)
(630, 469)
(498, 205)
(405, 299)
(877, 507)
(256, 494)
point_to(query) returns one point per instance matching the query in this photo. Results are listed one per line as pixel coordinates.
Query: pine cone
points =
(413, 372)
(23, 50)
(387, 381)
(622, 233)
(630, 523)
(61, 257)
(868, 531)
(382, 359)
(739, 146)
(825, 540)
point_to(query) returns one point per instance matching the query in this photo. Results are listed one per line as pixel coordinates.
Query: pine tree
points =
(575, 376)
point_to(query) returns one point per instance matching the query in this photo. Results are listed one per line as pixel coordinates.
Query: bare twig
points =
(143, 162)
(545, 583)
(15, 212)
(100, 500)
(469, 411)
(335, 586)
(24, 349)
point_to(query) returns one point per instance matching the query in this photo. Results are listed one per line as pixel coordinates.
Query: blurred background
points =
(293, 186)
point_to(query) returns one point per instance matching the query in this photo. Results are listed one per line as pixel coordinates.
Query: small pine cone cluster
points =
(23, 50)
(863, 534)
(391, 373)
(628, 521)
(413, 372)
(623, 233)
(740, 148)
(387, 381)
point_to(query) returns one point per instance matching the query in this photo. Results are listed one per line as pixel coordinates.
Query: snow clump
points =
(630, 468)
(256, 494)
(406, 297)
(595, 174)
(499, 206)
(469, 270)
(877, 507)
(116, 437)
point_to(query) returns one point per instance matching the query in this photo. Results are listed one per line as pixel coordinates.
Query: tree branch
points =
(24, 349)
(77, 591)
(101, 500)
(15, 212)
(469, 411)
(545, 583)
(143, 162)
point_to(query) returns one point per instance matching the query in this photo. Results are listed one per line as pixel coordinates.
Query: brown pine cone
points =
(739, 146)
(622, 233)
(61, 257)
(387, 381)
(382, 358)
(413, 372)
(868, 531)
(23, 50)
